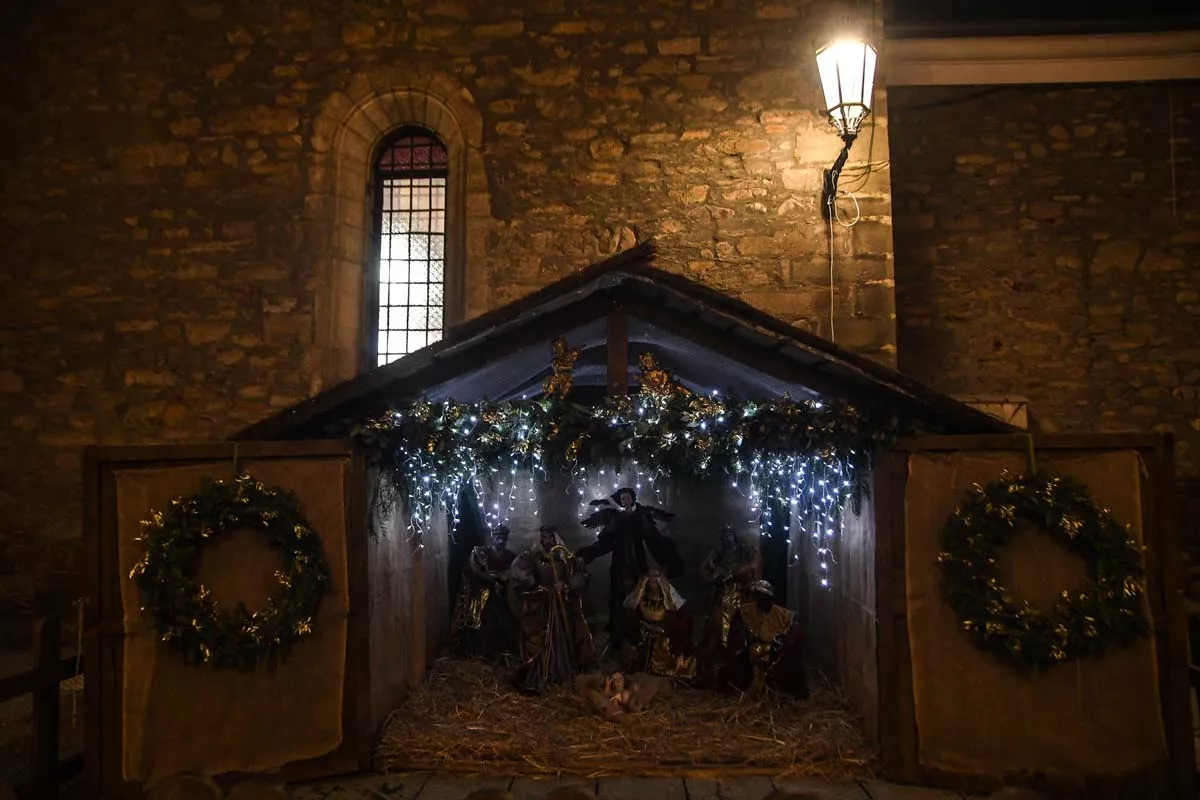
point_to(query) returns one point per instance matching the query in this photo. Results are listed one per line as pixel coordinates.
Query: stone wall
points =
(1048, 247)
(167, 217)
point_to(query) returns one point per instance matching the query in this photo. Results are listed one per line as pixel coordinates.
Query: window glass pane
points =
(418, 248)
(418, 294)
(396, 344)
(411, 220)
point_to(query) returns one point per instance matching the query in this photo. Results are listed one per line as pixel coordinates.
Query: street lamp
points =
(847, 68)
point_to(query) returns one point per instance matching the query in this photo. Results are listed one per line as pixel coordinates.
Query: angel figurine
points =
(559, 384)
(627, 530)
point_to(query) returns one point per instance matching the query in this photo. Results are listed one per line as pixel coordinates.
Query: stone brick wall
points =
(1048, 246)
(166, 224)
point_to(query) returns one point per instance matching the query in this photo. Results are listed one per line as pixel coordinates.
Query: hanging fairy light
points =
(800, 458)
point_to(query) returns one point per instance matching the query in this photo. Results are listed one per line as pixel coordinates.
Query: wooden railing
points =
(47, 772)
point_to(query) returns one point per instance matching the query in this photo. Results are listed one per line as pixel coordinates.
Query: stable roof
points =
(709, 340)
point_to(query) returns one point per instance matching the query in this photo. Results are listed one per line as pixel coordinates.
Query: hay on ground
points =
(465, 718)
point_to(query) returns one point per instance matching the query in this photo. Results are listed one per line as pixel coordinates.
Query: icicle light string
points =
(801, 457)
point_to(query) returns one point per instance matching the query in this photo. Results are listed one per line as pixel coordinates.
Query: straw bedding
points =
(464, 717)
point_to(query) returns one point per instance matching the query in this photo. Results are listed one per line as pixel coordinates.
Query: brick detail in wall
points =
(169, 219)
(1048, 247)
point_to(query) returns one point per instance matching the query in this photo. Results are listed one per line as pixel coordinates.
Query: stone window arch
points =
(347, 139)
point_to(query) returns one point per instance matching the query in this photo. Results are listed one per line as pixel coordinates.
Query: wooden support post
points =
(48, 638)
(617, 344)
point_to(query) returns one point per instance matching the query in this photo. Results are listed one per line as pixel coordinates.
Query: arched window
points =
(406, 295)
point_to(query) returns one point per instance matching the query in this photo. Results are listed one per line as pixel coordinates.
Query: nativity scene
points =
(499, 562)
(647, 616)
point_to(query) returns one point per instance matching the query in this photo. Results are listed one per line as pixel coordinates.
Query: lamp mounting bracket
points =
(831, 176)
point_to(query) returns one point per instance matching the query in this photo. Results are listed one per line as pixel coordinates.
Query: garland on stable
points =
(430, 452)
(184, 613)
(1106, 614)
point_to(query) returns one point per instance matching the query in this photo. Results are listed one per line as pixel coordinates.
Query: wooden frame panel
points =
(103, 776)
(1024, 60)
(1164, 579)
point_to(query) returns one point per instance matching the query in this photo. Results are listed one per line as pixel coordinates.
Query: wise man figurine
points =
(555, 640)
(485, 619)
(766, 646)
(627, 530)
(729, 570)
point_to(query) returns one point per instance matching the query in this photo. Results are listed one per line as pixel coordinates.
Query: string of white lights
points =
(810, 488)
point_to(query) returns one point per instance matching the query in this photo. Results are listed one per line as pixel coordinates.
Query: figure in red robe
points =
(766, 646)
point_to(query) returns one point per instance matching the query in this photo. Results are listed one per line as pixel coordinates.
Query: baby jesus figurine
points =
(618, 696)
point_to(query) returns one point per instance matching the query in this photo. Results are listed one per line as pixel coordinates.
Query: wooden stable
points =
(388, 614)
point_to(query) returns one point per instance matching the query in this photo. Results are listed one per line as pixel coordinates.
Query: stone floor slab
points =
(878, 790)
(538, 788)
(455, 787)
(755, 788)
(399, 786)
(641, 789)
(823, 790)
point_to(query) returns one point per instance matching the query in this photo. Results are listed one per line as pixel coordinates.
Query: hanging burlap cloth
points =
(976, 714)
(184, 719)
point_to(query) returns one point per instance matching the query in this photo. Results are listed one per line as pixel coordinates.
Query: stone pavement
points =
(434, 786)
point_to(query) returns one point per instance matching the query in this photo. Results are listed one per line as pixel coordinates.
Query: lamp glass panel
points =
(847, 69)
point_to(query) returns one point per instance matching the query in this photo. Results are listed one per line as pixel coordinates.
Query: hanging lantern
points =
(847, 68)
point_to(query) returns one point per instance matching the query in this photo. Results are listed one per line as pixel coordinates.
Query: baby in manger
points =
(615, 694)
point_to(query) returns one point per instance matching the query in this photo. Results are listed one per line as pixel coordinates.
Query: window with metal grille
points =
(410, 238)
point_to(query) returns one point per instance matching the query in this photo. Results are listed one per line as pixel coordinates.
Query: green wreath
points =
(1106, 614)
(184, 613)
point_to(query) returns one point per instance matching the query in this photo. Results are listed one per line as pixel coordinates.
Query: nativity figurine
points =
(766, 646)
(616, 694)
(627, 530)
(664, 636)
(729, 570)
(485, 622)
(555, 641)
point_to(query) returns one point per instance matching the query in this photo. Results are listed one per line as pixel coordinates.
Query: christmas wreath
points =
(184, 612)
(1105, 614)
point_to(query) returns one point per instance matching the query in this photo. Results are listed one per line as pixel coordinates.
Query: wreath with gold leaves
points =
(184, 613)
(1107, 613)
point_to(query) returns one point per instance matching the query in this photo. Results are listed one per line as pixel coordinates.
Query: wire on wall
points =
(837, 215)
